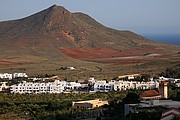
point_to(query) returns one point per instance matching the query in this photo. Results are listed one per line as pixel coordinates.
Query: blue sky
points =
(140, 16)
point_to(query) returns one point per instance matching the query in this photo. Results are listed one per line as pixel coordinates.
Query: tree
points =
(131, 98)
(171, 73)
(145, 77)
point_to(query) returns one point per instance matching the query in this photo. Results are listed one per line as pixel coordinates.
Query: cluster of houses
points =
(104, 86)
(93, 85)
(49, 87)
(150, 98)
(11, 76)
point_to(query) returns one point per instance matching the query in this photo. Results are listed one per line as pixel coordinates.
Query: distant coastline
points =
(166, 38)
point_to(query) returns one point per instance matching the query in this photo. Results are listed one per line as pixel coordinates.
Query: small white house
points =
(6, 76)
(71, 68)
(103, 86)
(17, 75)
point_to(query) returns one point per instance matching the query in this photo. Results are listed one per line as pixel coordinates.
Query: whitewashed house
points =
(38, 88)
(17, 75)
(172, 80)
(71, 68)
(30, 87)
(103, 86)
(11, 76)
(125, 85)
(72, 85)
(6, 76)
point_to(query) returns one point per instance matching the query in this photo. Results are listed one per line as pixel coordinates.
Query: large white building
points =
(125, 85)
(30, 87)
(11, 76)
(6, 76)
(38, 88)
(104, 86)
(17, 75)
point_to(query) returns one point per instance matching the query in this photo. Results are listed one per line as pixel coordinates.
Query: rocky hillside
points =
(45, 32)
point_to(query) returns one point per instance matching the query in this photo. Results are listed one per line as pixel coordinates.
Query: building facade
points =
(6, 76)
(38, 88)
(89, 104)
(11, 76)
(163, 89)
(125, 85)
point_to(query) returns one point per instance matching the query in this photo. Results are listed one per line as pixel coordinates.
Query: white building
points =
(103, 86)
(11, 76)
(38, 79)
(172, 80)
(125, 85)
(6, 76)
(17, 75)
(50, 87)
(71, 68)
(72, 85)
(30, 87)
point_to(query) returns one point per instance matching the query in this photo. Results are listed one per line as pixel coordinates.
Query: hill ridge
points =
(44, 32)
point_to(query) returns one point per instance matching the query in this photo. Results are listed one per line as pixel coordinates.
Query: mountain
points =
(57, 33)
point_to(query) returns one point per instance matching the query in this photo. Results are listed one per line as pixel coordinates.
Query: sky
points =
(140, 16)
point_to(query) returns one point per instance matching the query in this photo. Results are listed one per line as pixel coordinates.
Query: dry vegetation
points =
(36, 44)
(85, 69)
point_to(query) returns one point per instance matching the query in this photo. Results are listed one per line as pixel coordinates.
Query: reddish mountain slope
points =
(44, 33)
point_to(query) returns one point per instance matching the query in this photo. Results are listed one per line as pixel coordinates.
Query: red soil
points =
(93, 53)
(6, 63)
(112, 56)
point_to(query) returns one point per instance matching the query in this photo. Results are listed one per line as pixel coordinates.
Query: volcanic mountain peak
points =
(56, 27)
(59, 10)
(41, 42)
(56, 7)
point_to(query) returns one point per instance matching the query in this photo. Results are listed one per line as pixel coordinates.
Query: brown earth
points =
(42, 42)
(112, 56)
(2, 62)
(93, 53)
(43, 33)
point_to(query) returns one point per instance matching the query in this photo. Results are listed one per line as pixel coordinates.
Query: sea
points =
(166, 38)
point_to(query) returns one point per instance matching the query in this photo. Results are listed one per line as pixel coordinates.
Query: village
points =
(155, 90)
(39, 85)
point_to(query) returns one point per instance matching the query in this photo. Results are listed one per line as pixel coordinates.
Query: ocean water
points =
(166, 38)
